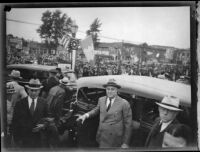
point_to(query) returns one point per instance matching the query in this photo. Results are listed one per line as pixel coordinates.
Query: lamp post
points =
(73, 43)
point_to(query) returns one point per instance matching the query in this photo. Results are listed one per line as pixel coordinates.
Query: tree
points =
(54, 26)
(94, 31)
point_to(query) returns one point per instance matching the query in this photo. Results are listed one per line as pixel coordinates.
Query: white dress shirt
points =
(30, 101)
(164, 125)
(108, 101)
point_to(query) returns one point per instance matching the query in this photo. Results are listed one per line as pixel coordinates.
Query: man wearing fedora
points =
(27, 114)
(115, 118)
(50, 82)
(20, 92)
(168, 110)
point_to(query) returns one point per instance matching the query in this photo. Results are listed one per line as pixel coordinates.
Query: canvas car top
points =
(144, 86)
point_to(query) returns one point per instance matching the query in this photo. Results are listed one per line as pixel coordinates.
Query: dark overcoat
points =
(23, 123)
(155, 137)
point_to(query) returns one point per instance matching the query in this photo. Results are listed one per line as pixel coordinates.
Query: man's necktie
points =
(109, 105)
(32, 107)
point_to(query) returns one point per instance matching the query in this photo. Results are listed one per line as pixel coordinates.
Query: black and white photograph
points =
(113, 76)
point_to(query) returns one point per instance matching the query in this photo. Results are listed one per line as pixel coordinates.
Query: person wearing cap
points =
(56, 97)
(28, 112)
(168, 110)
(115, 118)
(10, 90)
(55, 101)
(20, 92)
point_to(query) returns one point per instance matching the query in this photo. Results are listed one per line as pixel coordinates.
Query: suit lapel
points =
(26, 106)
(37, 109)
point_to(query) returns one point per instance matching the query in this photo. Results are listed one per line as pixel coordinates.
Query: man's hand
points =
(124, 146)
(82, 118)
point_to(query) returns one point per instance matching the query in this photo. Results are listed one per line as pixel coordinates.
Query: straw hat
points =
(170, 102)
(34, 84)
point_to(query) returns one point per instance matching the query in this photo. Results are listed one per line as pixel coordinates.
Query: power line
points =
(106, 37)
(21, 21)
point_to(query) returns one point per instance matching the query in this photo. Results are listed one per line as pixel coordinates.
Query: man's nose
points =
(165, 111)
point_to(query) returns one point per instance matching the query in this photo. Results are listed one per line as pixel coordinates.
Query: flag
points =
(65, 41)
(88, 48)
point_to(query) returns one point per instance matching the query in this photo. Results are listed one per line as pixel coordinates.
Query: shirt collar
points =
(31, 99)
(164, 125)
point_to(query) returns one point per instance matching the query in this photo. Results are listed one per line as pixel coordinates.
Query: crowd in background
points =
(170, 72)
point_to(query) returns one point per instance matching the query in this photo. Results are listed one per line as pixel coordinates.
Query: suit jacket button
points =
(110, 133)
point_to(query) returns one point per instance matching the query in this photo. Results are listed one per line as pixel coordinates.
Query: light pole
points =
(73, 43)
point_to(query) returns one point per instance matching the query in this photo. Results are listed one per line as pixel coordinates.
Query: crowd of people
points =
(169, 71)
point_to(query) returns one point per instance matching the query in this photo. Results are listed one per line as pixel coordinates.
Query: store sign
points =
(16, 42)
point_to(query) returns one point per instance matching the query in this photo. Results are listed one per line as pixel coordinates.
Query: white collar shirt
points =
(30, 101)
(164, 125)
(108, 101)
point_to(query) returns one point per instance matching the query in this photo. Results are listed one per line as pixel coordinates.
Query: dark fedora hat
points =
(112, 82)
(15, 74)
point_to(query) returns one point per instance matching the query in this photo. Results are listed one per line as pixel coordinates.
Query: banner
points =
(88, 48)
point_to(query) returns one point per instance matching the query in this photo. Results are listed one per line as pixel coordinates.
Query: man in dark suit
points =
(50, 82)
(27, 114)
(115, 118)
(168, 110)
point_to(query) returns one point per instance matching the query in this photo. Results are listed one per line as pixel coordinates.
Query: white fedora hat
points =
(34, 84)
(170, 102)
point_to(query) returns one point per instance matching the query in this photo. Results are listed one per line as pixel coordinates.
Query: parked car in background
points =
(141, 91)
(29, 71)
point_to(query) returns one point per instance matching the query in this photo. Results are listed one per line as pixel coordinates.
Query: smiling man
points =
(115, 118)
(168, 110)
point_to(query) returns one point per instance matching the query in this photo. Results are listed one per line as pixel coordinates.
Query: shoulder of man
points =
(21, 101)
(102, 98)
(53, 90)
(121, 99)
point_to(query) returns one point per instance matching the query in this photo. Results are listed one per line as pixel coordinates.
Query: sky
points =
(165, 26)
